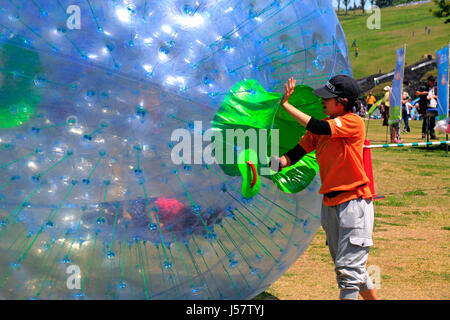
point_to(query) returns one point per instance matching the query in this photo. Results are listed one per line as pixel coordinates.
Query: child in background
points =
(406, 109)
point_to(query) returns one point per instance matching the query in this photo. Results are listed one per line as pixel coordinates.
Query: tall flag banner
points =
(442, 82)
(395, 96)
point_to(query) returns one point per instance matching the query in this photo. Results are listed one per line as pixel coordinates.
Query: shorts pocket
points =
(351, 215)
(360, 242)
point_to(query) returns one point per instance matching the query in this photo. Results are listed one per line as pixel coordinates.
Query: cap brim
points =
(324, 93)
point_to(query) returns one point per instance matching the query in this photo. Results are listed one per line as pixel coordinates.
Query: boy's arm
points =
(299, 116)
(306, 144)
(288, 159)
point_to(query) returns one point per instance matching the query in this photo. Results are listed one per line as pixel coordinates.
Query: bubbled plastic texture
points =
(86, 177)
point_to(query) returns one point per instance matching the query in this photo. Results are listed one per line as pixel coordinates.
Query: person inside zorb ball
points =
(135, 139)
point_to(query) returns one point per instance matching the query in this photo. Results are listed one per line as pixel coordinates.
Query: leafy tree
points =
(363, 3)
(346, 3)
(383, 3)
(442, 10)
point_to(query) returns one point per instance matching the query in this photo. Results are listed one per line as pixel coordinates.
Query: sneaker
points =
(423, 136)
(399, 141)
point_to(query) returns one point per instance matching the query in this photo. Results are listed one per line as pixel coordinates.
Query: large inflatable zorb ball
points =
(118, 179)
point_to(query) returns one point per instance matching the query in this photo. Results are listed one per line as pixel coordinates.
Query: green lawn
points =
(377, 47)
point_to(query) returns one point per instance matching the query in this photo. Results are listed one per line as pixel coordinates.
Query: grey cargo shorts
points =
(348, 228)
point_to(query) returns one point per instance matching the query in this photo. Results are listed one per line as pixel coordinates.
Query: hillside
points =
(399, 25)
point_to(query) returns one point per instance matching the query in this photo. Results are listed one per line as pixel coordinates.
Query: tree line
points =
(360, 4)
(440, 10)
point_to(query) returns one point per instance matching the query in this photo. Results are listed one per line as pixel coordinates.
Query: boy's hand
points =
(277, 164)
(289, 89)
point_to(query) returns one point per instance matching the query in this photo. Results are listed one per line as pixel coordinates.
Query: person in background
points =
(432, 111)
(363, 110)
(406, 109)
(422, 93)
(416, 110)
(370, 100)
(395, 132)
(384, 107)
(394, 128)
(428, 118)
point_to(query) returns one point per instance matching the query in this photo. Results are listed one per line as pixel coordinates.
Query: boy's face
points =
(332, 107)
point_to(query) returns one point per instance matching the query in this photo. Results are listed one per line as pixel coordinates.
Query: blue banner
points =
(395, 96)
(442, 82)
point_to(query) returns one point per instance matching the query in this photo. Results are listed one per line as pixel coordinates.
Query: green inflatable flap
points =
(246, 124)
(20, 94)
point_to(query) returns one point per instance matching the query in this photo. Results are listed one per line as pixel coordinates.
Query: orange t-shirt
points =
(371, 99)
(340, 159)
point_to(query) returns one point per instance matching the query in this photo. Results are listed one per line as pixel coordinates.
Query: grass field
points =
(411, 232)
(377, 46)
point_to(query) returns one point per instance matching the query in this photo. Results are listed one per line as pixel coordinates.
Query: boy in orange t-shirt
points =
(347, 209)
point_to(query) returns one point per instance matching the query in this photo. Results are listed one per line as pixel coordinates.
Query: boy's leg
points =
(330, 225)
(355, 219)
(367, 290)
(368, 294)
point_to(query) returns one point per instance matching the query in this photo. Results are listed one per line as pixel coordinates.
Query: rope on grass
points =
(413, 144)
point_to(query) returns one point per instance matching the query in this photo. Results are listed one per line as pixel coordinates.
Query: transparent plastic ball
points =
(92, 205)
